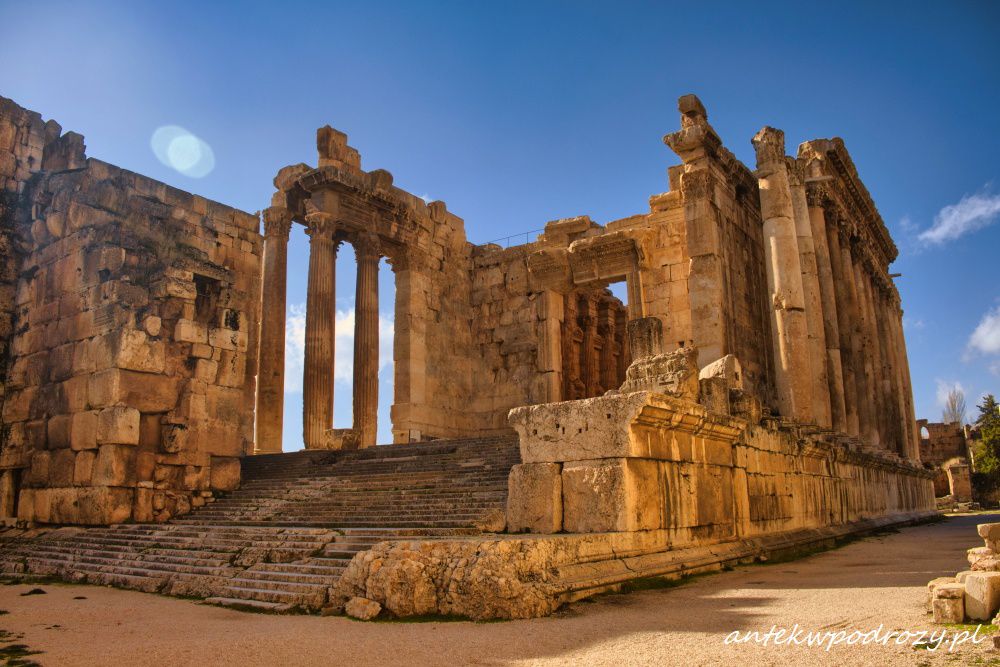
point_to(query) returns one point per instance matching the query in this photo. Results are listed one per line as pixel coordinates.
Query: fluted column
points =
(828, 297)
(789, 331)
(366, 360)
(872, 355)
(271, 359)
(317, 390)
(845, 326)
(859, 358)
(819, 375)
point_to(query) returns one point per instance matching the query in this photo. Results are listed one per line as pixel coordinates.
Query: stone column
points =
(366, 341)
(911, 434)
(828, 297)
(789, 331)
(271, 364)
(590, 365)
(819, 377)
(893, 432)
(872, 354)
(864, 405)
(317, 390)
(845, 319)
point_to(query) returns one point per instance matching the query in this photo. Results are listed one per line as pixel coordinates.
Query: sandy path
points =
(879, 580)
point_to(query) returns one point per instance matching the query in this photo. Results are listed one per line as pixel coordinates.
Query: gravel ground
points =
(876, 581)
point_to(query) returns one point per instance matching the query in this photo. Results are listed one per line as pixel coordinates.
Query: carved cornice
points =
(698, 184)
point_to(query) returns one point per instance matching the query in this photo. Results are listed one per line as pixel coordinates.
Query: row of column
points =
(320, 334)
(838, 348)
(594, 346)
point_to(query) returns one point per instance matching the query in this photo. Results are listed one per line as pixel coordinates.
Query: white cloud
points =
(986, 336)
(914, 324)
(972, 212)
(944, 387)
(995, 368)
(343, 367)
(426, 197)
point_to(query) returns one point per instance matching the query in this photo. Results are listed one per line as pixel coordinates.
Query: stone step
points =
(243, 604)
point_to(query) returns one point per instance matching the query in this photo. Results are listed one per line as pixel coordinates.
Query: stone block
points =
(949, 610)
(118, 425)
(91, 506)
(189, 331)
(38, 472)
(362, 608)
(982, 595)
(83, 469)
(114, 466)
(225, 475)
(83, 430)
(534, 498)
(612, 495)
(62, 467)
(58, 431)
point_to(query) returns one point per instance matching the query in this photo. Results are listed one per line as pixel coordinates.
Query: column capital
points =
(320, 226)
(769, 144)
(367, 246)
(277, 222)
(816, 194)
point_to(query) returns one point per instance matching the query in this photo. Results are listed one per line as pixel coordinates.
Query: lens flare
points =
(181, 150)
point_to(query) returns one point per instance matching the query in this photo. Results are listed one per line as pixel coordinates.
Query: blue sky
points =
(519, 113)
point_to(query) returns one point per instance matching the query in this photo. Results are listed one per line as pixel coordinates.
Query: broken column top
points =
(769, 144)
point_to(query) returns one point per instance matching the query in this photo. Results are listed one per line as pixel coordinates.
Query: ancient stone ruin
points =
(972, 595)
(751, 396)
(945, 450)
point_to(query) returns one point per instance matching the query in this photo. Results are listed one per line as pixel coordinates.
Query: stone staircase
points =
(281, 540)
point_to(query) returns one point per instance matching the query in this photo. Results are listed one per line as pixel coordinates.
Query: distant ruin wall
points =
(130, 390)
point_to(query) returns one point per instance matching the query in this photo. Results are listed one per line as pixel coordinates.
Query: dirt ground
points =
(878, 581)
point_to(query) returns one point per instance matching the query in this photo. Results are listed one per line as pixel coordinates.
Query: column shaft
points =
(844, 327)
(831, 332)
(858, 356)
(789, 330)
(317, 390)
(366, 350)
(271, 359)
(819, 376)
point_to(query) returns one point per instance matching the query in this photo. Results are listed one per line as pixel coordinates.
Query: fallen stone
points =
(949, 610)
(982, 595)
(362, 609)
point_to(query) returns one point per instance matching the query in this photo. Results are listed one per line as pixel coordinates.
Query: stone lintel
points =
(615, 426)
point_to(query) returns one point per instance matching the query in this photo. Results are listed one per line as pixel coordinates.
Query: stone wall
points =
(649, 461)
(131, 390)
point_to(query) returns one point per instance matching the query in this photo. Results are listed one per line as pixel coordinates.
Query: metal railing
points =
(505, 241)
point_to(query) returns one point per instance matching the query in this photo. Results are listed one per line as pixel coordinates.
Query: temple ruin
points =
(751, 395)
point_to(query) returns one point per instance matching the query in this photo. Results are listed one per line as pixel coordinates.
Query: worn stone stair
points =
(281, 540)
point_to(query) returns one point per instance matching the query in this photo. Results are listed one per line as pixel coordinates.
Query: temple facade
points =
(752, 388)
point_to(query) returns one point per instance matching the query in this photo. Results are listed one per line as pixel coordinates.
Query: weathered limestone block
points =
(470, 578)
(933, 584)
(990, 532)
(118, 425)
(225, 475)
(674, 373)
(641, 424)
(949, 603)
(534, 500)
(982, 595)
(362, 608)
(93, 505)
(114, 466)
(83, 430)
(714, 394)
(612, 495)
(728, 368)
